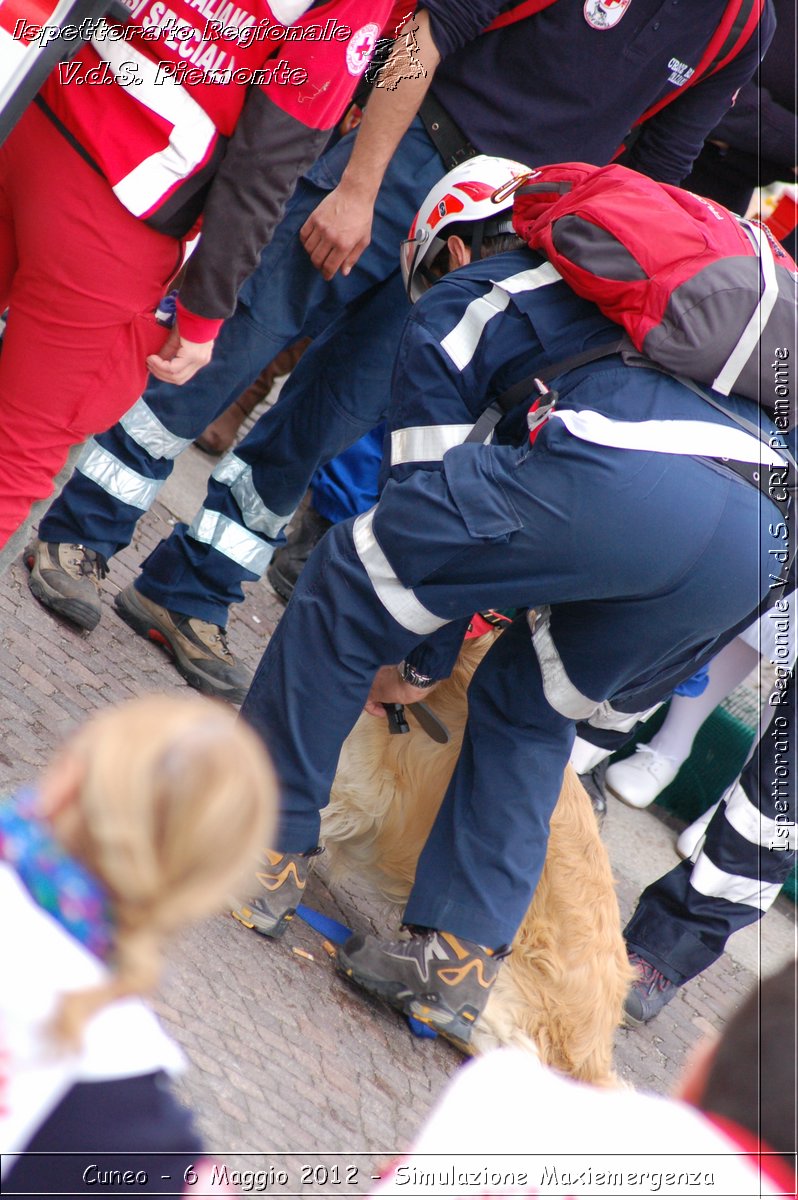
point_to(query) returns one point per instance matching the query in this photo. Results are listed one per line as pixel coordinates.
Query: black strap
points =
(520, 391)
(41, 103)
(445, 134)
(750, 472)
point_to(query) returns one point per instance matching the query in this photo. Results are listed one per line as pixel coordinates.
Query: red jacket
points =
(195, 100)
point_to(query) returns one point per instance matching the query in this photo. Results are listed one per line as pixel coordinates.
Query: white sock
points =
(687, 714)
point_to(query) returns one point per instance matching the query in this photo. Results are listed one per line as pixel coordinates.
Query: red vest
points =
(151, 102)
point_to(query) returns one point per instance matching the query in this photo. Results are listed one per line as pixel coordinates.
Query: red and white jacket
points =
(238, 95)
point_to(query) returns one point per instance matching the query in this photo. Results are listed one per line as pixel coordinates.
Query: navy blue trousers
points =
(683, 920)
(338, 392)
(644, 558)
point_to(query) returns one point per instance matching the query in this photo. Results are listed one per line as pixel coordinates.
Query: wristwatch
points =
(410, 675)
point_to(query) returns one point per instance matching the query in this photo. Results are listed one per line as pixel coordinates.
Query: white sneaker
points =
(637, 781)
(691, 840)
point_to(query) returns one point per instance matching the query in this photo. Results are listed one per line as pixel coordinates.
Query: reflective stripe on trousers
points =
(563, 695)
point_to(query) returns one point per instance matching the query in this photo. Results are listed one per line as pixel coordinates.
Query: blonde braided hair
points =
(173, 798)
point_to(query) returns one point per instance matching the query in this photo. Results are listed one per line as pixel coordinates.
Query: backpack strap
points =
(735, 29)
(523, 389)
(749, 338)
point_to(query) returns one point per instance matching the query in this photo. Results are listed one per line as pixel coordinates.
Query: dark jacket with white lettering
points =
(556, 88)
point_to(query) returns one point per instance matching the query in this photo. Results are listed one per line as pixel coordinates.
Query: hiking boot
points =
(283, 878)
(200, 649)
(441, 980)
(287, 563)
(65, 577)
(648, 995)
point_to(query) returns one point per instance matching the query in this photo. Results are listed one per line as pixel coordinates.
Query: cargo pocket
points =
(487, 511)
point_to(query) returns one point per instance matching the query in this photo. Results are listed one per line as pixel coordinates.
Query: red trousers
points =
(82, 279)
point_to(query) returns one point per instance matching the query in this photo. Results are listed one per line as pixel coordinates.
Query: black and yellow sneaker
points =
(283, 878)
(441, 980)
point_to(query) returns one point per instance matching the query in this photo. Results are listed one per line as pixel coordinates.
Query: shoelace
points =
(426, 934)
(89, 563)
(214, 635)
(653, 979)
(656, 761)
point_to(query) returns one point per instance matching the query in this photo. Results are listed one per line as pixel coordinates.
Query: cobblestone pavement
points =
(284, 1058)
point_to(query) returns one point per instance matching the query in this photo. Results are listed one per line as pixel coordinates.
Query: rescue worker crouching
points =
(636, 560)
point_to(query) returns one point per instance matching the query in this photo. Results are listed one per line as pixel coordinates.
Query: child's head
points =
(166, 801)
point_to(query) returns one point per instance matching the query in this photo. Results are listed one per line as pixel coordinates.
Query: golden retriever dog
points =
(564, 984)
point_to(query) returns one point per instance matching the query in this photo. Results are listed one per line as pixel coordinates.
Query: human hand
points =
(389, 688)
(179, 360)
(338, 231)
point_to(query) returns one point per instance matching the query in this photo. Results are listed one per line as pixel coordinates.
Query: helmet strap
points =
(476, 241)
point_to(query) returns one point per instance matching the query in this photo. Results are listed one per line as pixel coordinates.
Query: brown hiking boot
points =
(65, 577)
(200, 649)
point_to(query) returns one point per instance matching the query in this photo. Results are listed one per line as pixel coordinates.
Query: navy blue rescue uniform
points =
(554, 87)
(684, 919)
(636, 560)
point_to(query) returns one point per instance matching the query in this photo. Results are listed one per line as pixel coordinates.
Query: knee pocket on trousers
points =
(485, 507)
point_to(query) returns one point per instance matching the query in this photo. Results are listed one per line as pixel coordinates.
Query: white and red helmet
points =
(477, 193)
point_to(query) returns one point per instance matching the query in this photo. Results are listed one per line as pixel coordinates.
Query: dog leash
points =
(338, 933)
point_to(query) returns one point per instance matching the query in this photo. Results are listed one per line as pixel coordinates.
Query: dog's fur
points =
(564, 984)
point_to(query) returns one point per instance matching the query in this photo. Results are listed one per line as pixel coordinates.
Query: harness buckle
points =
(541, 410)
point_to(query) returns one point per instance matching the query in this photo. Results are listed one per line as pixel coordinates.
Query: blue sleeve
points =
(441, 384)
(671, 141)
(433, 404)
(456, 24)
(758, 124)
(428, 394)
(437, 655)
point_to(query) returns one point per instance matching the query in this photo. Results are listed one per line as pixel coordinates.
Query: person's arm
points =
(284, 124)
(435, 399)
(758, 124)
(670, 142)
(434, 658)
(339, 229)
(268, 152)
